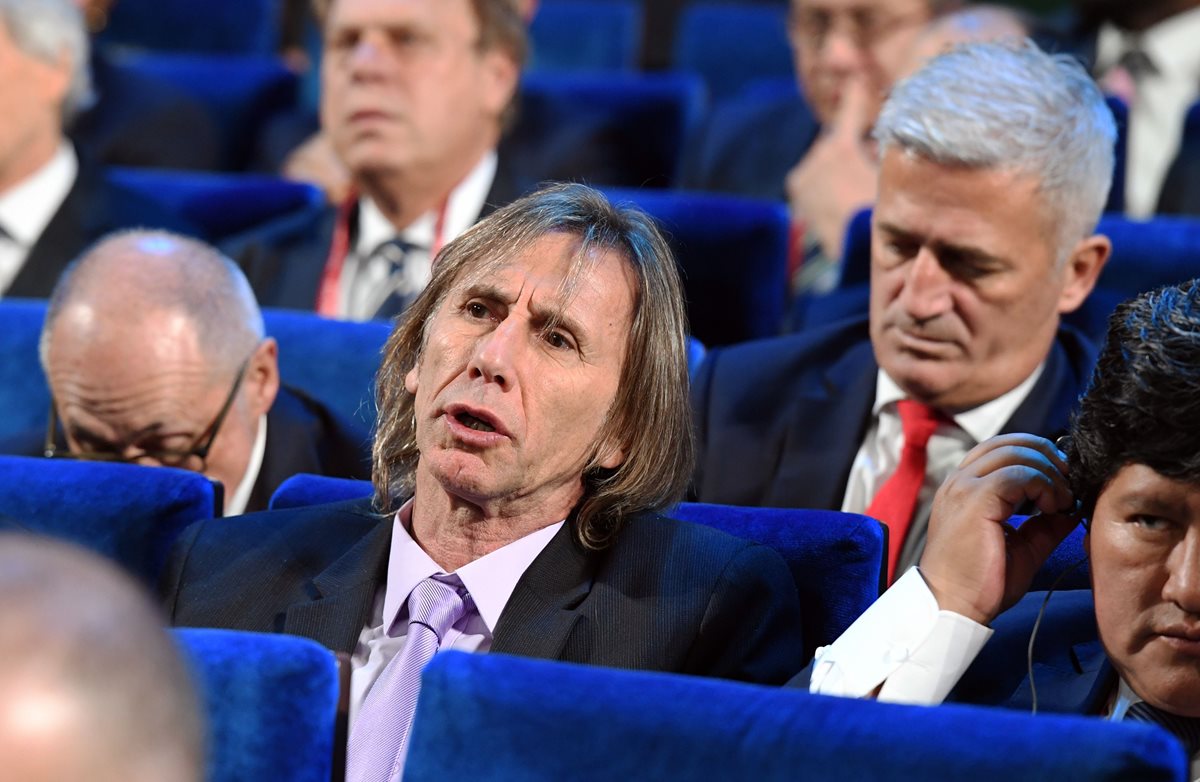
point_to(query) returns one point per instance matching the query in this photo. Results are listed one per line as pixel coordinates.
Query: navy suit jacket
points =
(284, 260)
(779, 421)
(667, 595)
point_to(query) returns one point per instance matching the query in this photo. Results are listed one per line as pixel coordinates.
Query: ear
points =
(500, 75)
(262, 376)
(410, 379)
(610, 455)
(1081, 271)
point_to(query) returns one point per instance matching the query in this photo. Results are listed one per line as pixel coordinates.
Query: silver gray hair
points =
(47, 30)
(1009, 105)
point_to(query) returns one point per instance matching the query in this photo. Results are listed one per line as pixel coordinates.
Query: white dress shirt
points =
(1163, 97)
(27, 208)
(364, 281)
(236, 504)
(490, 581)
(879, 454)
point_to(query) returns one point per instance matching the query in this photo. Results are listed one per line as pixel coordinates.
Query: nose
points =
(839, 51)
(926, 287)
(495, 354)
(368, 54)
(1183, 578)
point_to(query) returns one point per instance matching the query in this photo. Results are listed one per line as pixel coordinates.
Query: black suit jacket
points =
(94, 206)
(667, 596)
(779, 421)
(284, 260)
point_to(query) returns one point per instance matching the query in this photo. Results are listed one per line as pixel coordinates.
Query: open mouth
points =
(471, 422)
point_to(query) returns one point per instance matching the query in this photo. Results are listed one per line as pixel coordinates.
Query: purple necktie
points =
(379, 737)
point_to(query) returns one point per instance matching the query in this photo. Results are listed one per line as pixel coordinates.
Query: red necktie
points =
(897, 497)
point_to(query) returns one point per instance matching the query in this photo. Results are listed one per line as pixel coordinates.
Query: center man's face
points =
(405, 85)
(508, 410)
(1144, 548)
(965, 289)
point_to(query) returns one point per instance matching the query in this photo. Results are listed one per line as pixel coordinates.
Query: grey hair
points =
(175, 273)
(1009, 105)
(48, 29)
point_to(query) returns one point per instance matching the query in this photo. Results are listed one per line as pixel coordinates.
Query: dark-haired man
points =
(1133, 467)
(533, 422)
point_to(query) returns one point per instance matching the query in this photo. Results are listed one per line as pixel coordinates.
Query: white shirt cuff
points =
(904, 642)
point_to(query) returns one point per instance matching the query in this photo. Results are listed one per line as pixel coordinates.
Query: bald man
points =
(154, 350)
(92, 687)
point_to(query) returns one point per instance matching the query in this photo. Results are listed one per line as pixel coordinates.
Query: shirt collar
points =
(26, 209)
(463, 206)
(1170, 44)
(490, 580)
(979, 422)
(241, 496)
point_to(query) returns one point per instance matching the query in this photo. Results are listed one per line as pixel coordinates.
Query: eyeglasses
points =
(866, 27)
(194, 458)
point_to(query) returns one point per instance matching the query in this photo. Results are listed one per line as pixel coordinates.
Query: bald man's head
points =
(92, 686)
(147, 336)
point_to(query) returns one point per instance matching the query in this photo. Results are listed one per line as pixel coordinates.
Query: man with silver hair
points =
(995, 161)
(53, 203)
(154, 350)
(533, 424)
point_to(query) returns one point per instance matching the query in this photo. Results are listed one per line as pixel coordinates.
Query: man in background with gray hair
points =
(995, 161)
(53, 203)
(155, 353)
(92, 686)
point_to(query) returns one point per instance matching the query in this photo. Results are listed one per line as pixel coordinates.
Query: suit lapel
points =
(65, 235)
(343, 593)
(825, 433)
(1047, 409)
(543, 609)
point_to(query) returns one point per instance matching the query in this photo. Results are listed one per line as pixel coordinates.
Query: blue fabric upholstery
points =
(695, 355)
(24, 397)
(223, 27)
(733, 255)
(270, 701)
(306, 489)
(732, 44)
(241, 93)
(1068, 562)
(586, 35)
(491, 717)
(333, 361)
(619, 130)
(836, 558)
(223, 205)
(127, 513)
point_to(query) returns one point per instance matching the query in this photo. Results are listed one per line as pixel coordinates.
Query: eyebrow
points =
(82, 432)
(962, 250)
(542, 314)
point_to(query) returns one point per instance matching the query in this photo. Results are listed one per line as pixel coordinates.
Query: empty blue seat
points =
(222, 27)
(270, 703)
(128, 513)
(586, 35)
(491, 717)
(733, 255)
(24, 397)
(732, 44)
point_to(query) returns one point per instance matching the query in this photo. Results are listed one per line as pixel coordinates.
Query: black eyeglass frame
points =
(172, 458)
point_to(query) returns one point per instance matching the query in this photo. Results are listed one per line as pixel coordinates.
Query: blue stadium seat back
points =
(334, 361)
(222, 206)
(306, 489)
(241, 93)
(1116, 195)
(695, 355)
(586, 35)
(836, 558)
(733, 255)
(223, 27)
(24, 396)
(496, 717)
(616, 130)
(270, 703)
(128, 513)
(732, 44)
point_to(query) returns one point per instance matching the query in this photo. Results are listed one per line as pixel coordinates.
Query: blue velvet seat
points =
(836, 559)
(270, 703)
(491, 717)
(331, 360)
(222, 27)
(586, 35)
(24, 398)
(619, 130)
(732, 44)
(128, 513)
(733, 255)
(242, 93)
